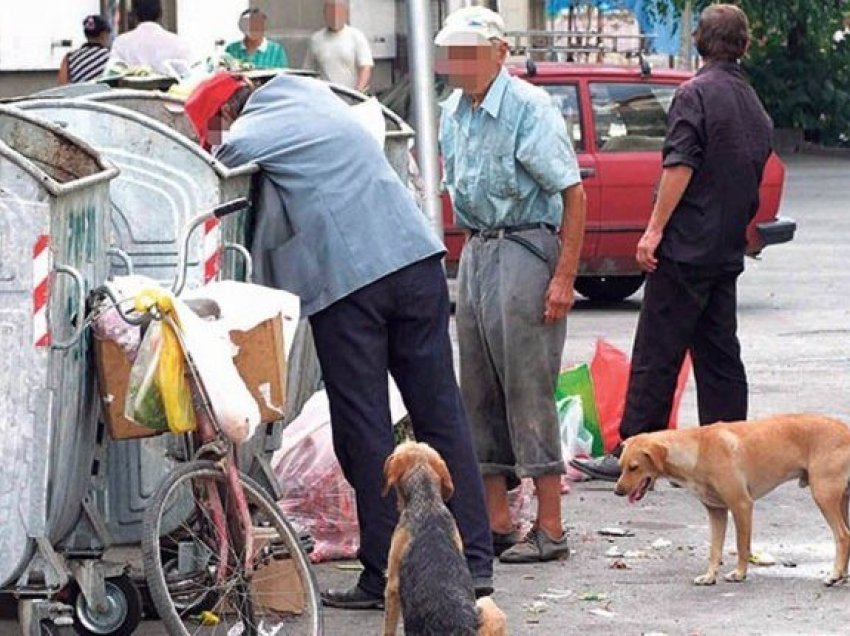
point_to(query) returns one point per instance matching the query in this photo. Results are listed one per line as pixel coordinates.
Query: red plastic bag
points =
(610, 373)
(316, 496)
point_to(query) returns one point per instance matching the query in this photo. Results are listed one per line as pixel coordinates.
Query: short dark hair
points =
(147, 10)
(723, 33)
(238, 100)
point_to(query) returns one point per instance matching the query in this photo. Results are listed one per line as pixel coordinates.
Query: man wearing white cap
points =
(515, 185)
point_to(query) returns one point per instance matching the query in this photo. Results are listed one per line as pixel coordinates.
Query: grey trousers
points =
(509, 358)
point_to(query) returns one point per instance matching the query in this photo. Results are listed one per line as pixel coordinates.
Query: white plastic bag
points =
(576, 441)
(212, 353)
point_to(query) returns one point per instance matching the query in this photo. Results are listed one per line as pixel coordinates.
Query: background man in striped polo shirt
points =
(255, 48)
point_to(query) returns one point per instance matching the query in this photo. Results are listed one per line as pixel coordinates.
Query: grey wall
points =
(13, 84)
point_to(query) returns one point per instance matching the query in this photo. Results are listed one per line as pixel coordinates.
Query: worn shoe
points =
(503, 541)
(537, 546)
(606, 468)
(354, 598)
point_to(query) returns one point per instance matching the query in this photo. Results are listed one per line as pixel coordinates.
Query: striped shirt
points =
(267, 55)
(87, 62)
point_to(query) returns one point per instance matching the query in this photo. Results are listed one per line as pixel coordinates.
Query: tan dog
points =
(428, 581)
(730, 465)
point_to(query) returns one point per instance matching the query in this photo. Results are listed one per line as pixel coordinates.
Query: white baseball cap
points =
(471, 26)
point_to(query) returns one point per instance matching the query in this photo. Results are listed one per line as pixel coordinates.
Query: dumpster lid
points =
(61, 161)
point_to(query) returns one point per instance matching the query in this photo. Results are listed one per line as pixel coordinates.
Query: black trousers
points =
(399, 324)
(686, 308)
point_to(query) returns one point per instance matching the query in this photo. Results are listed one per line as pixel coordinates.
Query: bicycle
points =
(219, 556)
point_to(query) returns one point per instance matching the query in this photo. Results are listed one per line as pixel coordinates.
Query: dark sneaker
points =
(354, 598)
(606, 468)
(537, 546)
(504, 540)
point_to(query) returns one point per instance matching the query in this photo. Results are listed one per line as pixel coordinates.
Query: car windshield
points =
(565, 97)
(630, 117)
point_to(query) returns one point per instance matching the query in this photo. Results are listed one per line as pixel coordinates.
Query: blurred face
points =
(471, 68)
(256, 27)
(336, 14)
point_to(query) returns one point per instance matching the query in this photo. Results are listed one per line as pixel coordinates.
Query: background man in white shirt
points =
(339, 52)
(149, 44)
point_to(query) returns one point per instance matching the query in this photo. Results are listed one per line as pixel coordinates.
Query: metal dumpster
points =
(165, 180)
(54, 233)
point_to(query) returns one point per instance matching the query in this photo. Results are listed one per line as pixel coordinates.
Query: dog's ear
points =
(657, 455)
(393, 470)
(447, 487)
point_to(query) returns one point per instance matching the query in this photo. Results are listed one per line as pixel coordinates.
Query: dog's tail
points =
(491, 620)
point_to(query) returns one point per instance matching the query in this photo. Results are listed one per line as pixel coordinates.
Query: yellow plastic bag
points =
(169, 388)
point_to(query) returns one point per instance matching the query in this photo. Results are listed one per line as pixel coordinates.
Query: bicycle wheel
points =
(195, 592)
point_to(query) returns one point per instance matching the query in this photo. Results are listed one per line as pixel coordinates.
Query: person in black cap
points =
(88, 61)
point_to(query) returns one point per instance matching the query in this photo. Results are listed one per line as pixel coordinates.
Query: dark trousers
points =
(398, 324)
(686, 308)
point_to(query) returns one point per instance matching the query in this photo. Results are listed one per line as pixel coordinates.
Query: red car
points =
(616, 118)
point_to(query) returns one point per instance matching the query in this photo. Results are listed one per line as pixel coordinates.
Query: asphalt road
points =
(794, 326)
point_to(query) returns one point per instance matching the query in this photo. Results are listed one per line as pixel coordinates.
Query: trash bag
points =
(610, 373)
(316, 496)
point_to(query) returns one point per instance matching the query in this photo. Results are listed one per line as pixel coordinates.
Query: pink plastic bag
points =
(610, 373)
(316, 496)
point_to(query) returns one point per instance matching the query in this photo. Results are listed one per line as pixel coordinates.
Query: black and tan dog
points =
(428, 581)
(730, 465)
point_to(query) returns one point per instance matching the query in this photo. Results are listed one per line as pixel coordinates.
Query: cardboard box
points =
(261, 363)
(113, 378)
(276, 581)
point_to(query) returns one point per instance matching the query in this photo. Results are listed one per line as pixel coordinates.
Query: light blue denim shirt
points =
(506, 162)
(332, 214)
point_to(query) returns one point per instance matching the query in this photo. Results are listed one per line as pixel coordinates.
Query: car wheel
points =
(608, 288)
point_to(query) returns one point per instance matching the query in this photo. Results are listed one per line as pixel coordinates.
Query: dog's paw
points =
(834, 580)
(706, 579)
(735, 577)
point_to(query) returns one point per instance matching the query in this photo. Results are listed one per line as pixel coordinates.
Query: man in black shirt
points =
(718, 142)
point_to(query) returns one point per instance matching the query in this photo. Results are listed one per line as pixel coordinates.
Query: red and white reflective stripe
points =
(40, 290)
(212, 249)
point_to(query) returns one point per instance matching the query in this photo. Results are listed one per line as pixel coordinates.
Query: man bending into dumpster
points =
(336, 226)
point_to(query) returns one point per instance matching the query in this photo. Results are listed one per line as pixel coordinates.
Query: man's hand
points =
(646, 247)
(559, 299)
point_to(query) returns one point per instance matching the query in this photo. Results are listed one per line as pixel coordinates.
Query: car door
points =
(630, 122)
(567, 98)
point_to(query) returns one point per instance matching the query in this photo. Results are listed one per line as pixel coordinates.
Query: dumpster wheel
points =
(120, 619)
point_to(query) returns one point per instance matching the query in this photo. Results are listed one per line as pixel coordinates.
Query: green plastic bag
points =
(577, 382)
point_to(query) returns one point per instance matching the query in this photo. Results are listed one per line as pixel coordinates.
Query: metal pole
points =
(420, 51)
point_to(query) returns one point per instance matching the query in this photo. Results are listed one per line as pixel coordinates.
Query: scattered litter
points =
(614, 552)
(728, 594)
(762, 558)
(661, 544)
(616, 532)
(349, 567)
(536, 607)
(789, 564)
(634, 554)
(619, 564)
(528, 577)
(603, 613)
(653, 634)
(593, 596)
(553, 594)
